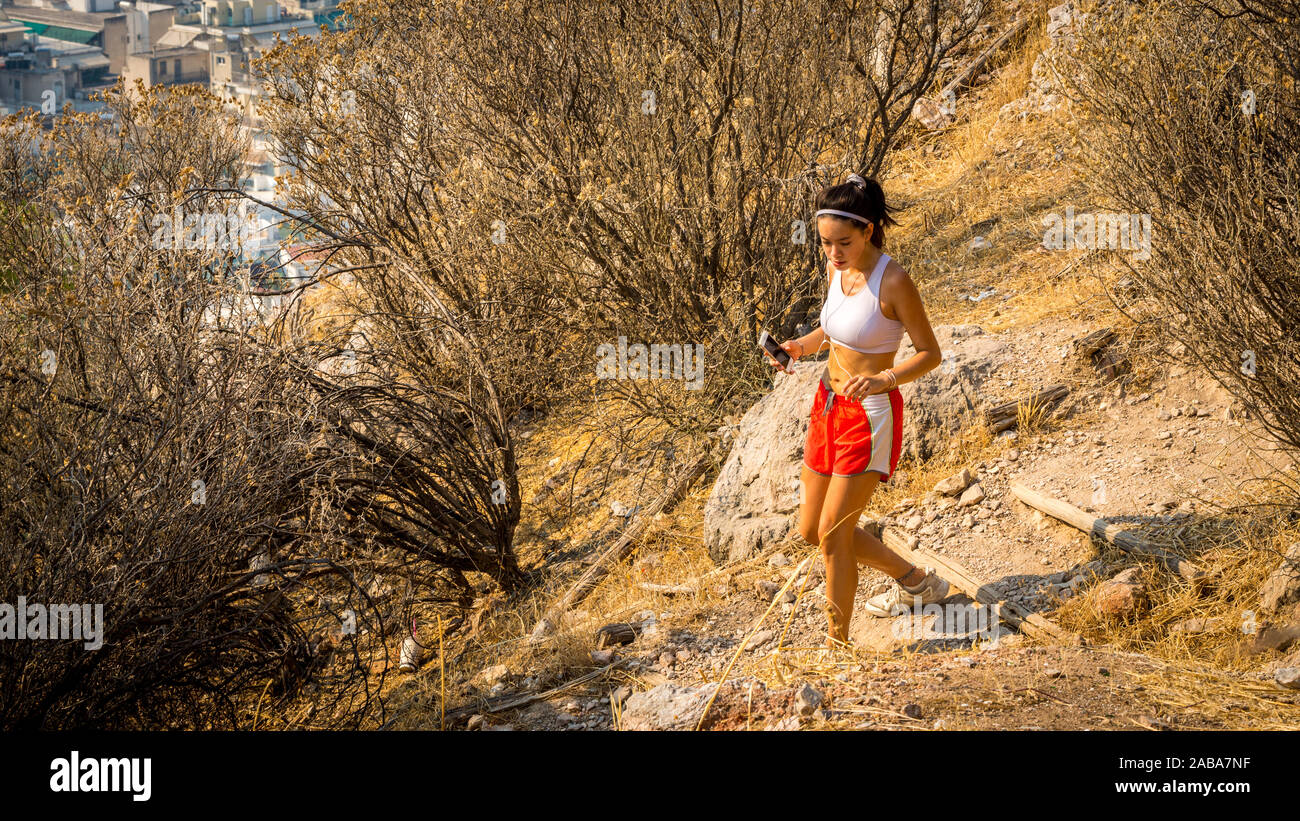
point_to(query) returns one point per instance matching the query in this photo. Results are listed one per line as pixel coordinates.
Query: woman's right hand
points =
(793, 348)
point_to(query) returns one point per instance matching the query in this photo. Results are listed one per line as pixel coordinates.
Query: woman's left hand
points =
(860, 385)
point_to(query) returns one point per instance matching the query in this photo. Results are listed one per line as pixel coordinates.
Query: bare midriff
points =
(846, 362)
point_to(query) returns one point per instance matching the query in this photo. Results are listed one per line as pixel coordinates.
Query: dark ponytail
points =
(862, 197)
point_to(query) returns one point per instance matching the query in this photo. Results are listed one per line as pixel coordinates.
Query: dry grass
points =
(1002, 177)
(1213, 670)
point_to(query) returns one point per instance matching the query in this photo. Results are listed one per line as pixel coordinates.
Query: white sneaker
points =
(897, 601)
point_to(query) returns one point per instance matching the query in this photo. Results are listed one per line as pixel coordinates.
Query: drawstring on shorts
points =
(830, 396)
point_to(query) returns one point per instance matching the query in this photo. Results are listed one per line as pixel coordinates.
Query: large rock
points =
(1271, 637)
(944, 400)
(955, 484)
(1046, 93)
(666, 707)
(973, 495)
(1061, 23)
(755, 500)
(756, 495)
(1122, 595)
(740, 704)
(807, 700)
(496, 674)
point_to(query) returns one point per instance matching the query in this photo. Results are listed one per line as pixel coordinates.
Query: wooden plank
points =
(1115, 534)
(978, 62)
(1012, 408)
(621, 547)
(1088, 345)
(509, 701)
(1031, 624)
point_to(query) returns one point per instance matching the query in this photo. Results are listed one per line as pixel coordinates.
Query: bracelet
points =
(800, 341)
(893, 378)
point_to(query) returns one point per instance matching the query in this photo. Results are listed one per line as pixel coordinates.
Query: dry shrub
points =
(1192, 120)
(151, 452)
(256, 510)
(564, 176)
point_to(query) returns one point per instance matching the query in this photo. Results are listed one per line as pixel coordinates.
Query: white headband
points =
(844, 214)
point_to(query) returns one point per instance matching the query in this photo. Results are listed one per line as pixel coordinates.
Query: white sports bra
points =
(856, 322)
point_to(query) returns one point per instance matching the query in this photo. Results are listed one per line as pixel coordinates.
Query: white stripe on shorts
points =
(880, 415)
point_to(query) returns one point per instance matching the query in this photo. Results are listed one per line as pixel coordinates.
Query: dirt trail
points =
(1008, 688)
(1138, 457)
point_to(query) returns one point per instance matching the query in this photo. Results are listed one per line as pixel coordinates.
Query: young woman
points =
(855, 434)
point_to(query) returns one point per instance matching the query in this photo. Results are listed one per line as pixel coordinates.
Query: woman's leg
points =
(812, 490)
(846, 499)
(869, 550)
(845, 546)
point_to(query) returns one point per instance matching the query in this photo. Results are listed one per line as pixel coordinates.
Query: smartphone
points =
(767, 343)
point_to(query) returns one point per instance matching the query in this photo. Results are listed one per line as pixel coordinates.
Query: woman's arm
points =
(911, 312)
(906, 302)
(810, 343)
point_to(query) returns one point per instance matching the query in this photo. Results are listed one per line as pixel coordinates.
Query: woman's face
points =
(843, 241)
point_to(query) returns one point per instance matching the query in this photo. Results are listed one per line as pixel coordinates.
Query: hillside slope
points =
(1160, 450)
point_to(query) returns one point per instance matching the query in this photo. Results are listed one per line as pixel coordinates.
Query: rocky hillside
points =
(1180, 609)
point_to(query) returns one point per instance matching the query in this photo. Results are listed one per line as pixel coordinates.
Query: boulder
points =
(496, 674)
(1273, 637)
(756, 496)
(1046, 92)
(955, 484)
(787, 724)
(1129, 576)
(759, 639)
(807, 700)
(666, 707)
(766, 590)
(939, 404)
(973, 495)
(933, 114)
(1060, 24)
(1121, 595)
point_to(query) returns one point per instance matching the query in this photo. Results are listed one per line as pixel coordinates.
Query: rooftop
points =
(167, 51)
(67, 18)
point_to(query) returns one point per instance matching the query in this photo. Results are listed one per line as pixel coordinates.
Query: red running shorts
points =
(848, 437)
